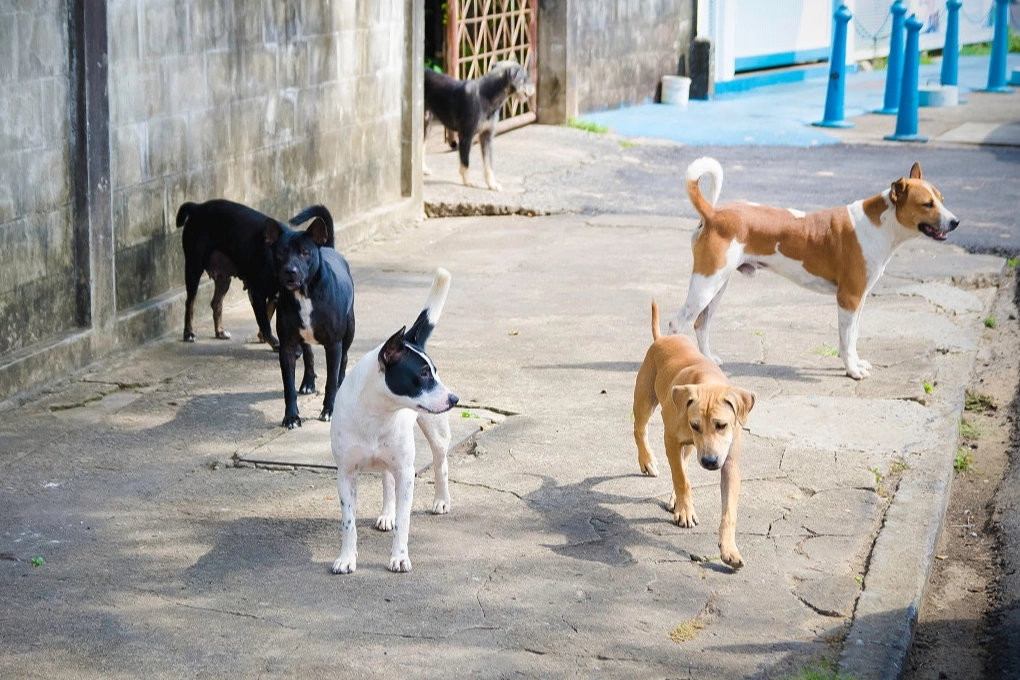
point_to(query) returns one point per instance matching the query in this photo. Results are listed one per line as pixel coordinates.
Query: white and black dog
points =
(373, 429)
(470, 107)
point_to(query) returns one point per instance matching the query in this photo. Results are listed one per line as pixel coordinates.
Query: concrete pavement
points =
(180, 531)
(166, 556)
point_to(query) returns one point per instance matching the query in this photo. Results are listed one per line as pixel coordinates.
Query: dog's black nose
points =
(953, 224)
(453, 399)
(710, 462)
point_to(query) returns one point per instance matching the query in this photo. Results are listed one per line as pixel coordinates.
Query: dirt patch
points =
(952, 638)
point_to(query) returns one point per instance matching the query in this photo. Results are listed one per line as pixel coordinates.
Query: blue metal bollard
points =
(997, 62)
(906, 117)
(951, 51)
(894, 68)
(837, 70)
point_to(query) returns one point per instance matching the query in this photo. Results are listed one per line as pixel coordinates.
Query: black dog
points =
(316, 303)
(227, 240)
(470, 107)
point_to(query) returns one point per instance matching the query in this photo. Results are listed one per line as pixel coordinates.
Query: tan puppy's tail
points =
(655, 321)
(695, 171)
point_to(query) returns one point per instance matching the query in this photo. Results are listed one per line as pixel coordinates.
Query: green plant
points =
(964, 461)
(468, 414)
(990, 321)
(878, 474)
(899, 465)
(826, 350)
(587, 126)
(968, 430)
(1012, 262)
(975, 401)
(626, 143)
(38, 561)
(984, 49)
(928, 387)
(821, 669)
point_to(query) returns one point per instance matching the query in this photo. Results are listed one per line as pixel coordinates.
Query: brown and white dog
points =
(840, 250)
(701, 412)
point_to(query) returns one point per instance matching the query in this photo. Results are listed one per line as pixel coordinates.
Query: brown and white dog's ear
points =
(683, 396)
(899, 188)
(915, 171)
(741, 401)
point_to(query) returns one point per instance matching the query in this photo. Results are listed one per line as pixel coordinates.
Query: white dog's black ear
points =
(393, 350)
(741, 401)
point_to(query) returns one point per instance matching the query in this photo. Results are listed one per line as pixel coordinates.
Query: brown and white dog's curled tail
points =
(695, 171)
(655, 321)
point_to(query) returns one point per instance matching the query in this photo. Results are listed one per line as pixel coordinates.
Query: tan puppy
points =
(701, 412)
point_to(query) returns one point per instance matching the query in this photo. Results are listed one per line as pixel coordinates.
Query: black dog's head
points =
(296, 253)
(518, 82)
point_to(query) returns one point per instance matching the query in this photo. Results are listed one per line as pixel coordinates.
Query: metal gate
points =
(483, 32)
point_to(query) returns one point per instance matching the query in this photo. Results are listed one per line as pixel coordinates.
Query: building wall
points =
(112, 114)
(624, 47)
(37, 279)
(274, 104)
(602, 55)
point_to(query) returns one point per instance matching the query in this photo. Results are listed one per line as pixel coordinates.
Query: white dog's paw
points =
(345, 565)
(400, 565)
(860, 371)
(385, 522)
(495, 186)
(441, 506)
(863, 365)
(426, 170)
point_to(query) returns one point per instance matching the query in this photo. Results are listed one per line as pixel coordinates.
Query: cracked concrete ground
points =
(164, 557)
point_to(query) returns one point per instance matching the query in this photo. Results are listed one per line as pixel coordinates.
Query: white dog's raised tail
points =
(423, 326)
(437, 295)
(695, 171)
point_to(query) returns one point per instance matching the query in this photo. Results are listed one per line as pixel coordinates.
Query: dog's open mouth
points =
(932, 232)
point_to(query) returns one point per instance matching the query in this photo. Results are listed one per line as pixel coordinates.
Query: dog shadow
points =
(611, 366)
(594, 532)
(743, 369)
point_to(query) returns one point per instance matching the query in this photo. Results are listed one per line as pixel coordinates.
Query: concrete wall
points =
(36, 244)
(113, 113)
(601, 55)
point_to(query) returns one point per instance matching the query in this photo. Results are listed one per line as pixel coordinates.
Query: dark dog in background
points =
(470, 107)
(227, 240)
(315, 304)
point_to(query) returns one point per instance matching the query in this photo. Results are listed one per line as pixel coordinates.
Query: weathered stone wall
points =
(601, 55)
(274, 104)
(114, 113)
(624, 47)
(37, 290)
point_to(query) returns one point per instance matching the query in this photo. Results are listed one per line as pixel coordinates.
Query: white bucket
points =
(676, 90)
(938, 95)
